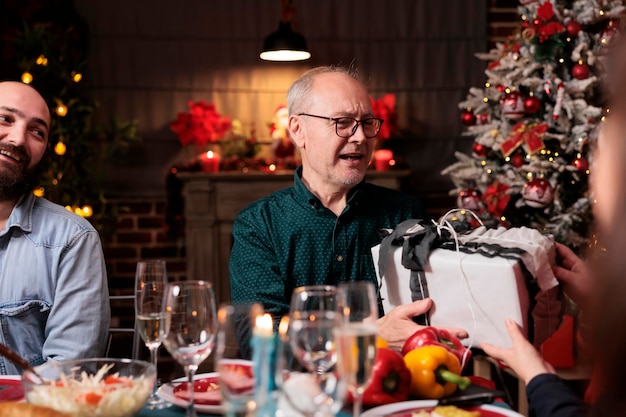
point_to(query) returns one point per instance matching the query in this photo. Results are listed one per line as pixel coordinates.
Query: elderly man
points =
(53, 288)
(321, 230)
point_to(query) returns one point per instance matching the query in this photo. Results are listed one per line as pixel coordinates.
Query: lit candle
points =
(263, 346)
(383, 159)
(210, 161)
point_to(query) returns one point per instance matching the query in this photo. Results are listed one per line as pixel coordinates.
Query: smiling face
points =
(24, 128)
(330, 161)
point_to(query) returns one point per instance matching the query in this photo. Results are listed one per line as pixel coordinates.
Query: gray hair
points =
(300, 90)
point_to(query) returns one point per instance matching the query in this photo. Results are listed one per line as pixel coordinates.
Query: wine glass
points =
(313, 314)
(192, 327)
(356, 337)
(150, 282)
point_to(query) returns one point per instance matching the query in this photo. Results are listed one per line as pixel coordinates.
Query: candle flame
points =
(264, 323)
(209, 154)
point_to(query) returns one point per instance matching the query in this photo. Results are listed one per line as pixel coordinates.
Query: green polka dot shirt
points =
(289, 239)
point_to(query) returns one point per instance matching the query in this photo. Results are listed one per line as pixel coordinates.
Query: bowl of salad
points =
(91, 387)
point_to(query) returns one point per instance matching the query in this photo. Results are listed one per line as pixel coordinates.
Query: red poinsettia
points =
(201, 126)
(385, 108)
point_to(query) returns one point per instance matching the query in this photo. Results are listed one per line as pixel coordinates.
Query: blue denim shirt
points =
(54, 297)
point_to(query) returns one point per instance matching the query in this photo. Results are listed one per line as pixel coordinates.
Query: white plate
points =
(166, 391)
(410, 406)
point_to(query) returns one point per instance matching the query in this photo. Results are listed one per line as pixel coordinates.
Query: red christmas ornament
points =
(512, 106)
(580, 71)
(572, 27)
(480, 150)
(469, 199)
(538, 193)
(483, 119)
(517, 160)
(532, 104)
(468, 118)
(581, 164)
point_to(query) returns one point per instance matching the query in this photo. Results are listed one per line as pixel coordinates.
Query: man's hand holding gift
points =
(397, 325)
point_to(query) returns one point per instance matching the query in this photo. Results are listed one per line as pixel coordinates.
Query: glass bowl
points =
(91, 387)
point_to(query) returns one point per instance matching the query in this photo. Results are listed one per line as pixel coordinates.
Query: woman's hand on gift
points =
(573, 275)
(397, 325)
(522, 357)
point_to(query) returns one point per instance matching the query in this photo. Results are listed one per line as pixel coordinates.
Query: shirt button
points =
(339, 258)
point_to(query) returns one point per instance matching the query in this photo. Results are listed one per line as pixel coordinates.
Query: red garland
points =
(530, 135)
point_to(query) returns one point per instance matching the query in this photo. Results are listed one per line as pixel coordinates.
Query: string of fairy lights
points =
(60, 148)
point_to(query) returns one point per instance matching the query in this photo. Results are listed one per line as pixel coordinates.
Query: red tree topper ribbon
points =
(385, 108)
(530, 135)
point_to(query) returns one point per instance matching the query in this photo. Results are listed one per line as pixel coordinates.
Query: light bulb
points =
(60, 148)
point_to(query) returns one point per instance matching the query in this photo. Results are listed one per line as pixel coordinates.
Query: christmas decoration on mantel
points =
(46, 46)
(534, 120)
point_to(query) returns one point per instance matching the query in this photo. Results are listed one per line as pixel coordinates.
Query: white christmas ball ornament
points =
(538, 193)
(512, 106)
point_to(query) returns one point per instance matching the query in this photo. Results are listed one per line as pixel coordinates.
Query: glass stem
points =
(358, 399)
(153, 359)
(191, 409)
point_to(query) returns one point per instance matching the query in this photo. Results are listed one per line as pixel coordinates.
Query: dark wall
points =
(149, 57)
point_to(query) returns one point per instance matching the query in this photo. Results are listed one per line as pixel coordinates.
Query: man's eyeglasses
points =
(345, 127)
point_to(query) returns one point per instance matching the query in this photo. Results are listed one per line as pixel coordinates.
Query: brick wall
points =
(139, 233)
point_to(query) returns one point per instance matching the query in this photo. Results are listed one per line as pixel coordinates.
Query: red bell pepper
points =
(391, 379)
(433, 336)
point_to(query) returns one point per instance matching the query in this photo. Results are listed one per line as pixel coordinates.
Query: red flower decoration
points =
(385, 108)
(201, 126)
(545, 27)
(545, 11)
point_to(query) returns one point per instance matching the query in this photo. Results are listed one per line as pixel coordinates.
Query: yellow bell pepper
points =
(435, 372)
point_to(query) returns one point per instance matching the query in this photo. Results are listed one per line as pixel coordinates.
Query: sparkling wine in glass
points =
(150, 282)
(192, 327)
(356, 337)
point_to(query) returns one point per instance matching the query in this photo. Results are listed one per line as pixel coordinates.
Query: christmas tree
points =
(45, 44)
(535, 120)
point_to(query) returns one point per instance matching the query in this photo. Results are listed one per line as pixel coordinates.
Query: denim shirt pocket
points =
(23, 324)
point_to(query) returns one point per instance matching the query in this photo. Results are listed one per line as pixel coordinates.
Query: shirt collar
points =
(22, 214)
(305, 196)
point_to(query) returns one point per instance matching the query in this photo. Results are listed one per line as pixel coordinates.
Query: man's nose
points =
(359, 134)
(17, 134)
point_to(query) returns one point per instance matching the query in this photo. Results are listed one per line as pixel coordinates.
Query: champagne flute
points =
(192, 327)
(356, 337)
(150, 282)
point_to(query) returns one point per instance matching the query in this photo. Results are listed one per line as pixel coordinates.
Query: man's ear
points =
(296, 132)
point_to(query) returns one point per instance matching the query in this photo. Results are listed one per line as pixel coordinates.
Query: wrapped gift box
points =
(477, 292)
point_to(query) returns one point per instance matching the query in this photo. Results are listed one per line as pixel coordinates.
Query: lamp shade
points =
(285, 45)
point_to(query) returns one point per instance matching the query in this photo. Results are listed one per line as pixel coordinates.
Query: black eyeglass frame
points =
(354, 129)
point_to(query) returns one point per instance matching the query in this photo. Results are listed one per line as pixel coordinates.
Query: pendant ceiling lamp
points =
(285, 44)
